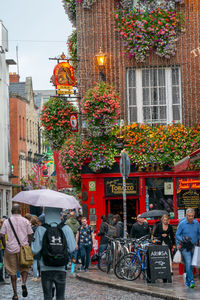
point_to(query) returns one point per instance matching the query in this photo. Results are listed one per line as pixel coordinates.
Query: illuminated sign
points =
(64, 75)
(189, 184)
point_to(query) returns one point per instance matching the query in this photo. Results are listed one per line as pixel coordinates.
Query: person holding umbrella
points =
(52, 274)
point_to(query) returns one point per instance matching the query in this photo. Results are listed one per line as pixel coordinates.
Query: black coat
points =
(169, 240)
(102, 232)
(138, 231)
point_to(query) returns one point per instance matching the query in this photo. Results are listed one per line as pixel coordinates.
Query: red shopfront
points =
(174, 192)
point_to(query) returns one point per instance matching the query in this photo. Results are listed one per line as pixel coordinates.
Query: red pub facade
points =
(147, 189)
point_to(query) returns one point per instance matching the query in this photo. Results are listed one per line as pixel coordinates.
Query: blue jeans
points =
(85, 255)
(187, 255)
(102, 247)
(56, 277)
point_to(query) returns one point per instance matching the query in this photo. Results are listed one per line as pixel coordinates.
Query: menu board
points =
(159, 263)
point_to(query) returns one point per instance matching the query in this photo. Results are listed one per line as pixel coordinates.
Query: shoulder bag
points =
(25, 255)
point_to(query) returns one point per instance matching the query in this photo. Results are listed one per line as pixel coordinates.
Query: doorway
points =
(115, 206)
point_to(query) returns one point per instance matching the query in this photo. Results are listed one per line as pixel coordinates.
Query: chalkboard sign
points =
(159, 263)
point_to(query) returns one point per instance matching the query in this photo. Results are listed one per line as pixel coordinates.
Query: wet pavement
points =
(75, 290)
(174, 290)
(96, 285)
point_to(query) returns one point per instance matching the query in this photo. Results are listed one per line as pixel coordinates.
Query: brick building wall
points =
(17, 135)
(95, 29)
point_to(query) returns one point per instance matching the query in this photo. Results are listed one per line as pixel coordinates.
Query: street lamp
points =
(101, 61)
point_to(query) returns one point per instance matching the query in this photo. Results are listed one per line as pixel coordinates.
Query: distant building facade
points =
(5, 184)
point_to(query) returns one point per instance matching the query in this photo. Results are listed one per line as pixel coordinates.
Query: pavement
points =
(172, 291)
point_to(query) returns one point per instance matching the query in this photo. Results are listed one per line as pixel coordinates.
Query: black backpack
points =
(54, 246)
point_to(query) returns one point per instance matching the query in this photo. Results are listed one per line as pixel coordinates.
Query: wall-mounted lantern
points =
(101, 62)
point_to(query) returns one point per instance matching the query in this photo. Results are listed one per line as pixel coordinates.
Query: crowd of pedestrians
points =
(80, 239)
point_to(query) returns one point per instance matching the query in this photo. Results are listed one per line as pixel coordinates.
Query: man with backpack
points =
(54, 240)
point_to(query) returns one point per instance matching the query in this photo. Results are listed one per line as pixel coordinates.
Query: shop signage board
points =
(188, 194)
(159, 263)
(114, 186)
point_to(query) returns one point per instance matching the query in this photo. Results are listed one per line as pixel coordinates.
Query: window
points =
(20, 128)
(22, 165)
(154, 95)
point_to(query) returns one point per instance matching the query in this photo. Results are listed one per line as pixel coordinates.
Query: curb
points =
(145, 290)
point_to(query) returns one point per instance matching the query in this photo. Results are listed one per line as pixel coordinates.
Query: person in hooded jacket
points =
(73, 223)
(119, 225)
(102, 233)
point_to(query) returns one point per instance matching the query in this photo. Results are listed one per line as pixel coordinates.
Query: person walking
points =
(74, 225)
(51, 274)
(102, 233)
(84, 241)
(140, 228)
(164, 232)
(35, 222)
(119, 226)
(187, 236)
(11, 256)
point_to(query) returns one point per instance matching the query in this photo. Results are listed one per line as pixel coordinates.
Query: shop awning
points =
(184, 163)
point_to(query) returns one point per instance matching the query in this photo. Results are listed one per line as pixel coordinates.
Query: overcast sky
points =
(40, 29)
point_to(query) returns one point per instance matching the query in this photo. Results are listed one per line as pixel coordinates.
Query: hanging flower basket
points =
(101, 108)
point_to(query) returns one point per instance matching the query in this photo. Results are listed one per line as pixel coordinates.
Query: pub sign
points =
(114, 186)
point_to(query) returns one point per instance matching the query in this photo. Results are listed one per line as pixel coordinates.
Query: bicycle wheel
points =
(109, 260)
(130, 266)
(117, 270)
(102, 262)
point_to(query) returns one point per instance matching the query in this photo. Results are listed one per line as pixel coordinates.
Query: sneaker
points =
(187, 284)
(192, 284)
(86, 270)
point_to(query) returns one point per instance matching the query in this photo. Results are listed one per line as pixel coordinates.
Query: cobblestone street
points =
(75, 290)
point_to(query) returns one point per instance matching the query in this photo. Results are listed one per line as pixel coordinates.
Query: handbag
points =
(25, 254)
(177, 257)
(196, 257)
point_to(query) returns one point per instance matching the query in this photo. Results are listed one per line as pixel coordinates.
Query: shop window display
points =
(159, 194)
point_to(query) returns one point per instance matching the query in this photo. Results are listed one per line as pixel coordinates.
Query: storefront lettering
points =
(189, 184)
(119, 189)
(114, 186)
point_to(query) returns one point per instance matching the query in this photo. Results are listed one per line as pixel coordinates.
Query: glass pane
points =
(132, 96)
(145, 77)
(155, 113)
(146, 96)
(175, 95)
(161, 77)
(153, 77)
(133, 114)
(163, 113)
(131, 78)
(176, 113)
(146, 113)
(162, 95)
(175, 76)
(154, 96)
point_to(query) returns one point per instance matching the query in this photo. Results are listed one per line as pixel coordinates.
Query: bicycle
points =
(133, 264)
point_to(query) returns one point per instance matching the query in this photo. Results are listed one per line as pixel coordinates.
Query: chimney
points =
(14, 77)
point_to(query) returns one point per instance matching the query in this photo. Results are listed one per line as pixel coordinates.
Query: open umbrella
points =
(47, 198)
(154, 213)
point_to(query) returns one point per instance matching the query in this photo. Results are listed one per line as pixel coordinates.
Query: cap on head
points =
(139, 217)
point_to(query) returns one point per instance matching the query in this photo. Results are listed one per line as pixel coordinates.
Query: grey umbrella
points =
(154, 213)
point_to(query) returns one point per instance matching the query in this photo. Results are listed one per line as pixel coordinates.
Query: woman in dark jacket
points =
(164, 232)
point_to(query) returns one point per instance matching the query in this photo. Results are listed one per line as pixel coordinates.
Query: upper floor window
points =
(154, 95)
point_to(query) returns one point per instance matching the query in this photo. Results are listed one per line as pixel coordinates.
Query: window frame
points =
(139, 95)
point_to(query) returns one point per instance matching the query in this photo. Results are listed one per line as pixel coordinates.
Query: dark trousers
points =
(85, 255)
(1, 266)
(53, 277)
